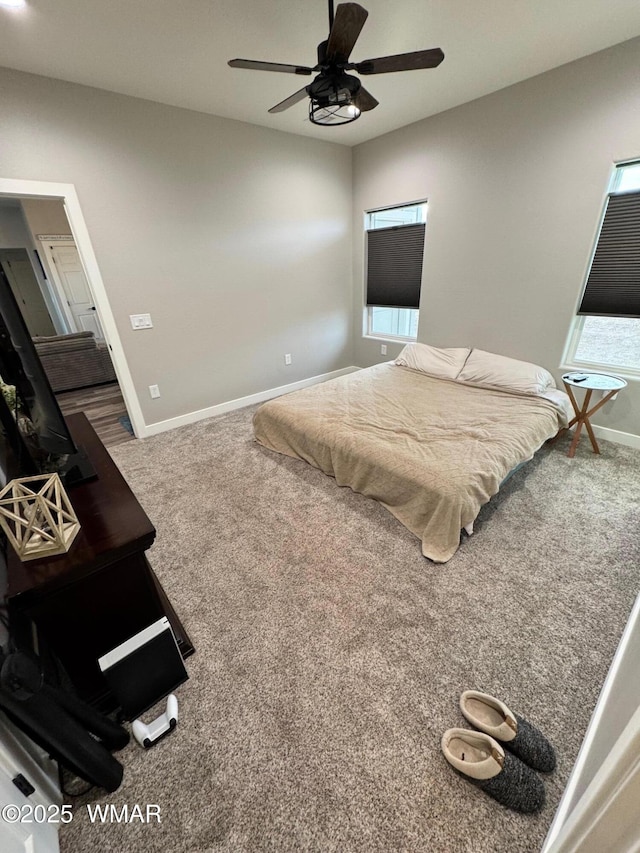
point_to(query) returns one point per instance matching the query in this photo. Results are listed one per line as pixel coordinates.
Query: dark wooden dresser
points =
(81, 604)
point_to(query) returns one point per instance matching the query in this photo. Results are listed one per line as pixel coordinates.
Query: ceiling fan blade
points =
(290, 101)
(364, 100)
(347, 25)
(401, 62)
(253, 65)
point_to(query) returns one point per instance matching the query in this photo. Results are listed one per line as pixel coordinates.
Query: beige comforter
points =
(431, 451)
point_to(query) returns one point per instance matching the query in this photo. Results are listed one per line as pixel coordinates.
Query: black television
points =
(37, 439)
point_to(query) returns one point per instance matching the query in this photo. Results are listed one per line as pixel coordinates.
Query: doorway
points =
(78, 292)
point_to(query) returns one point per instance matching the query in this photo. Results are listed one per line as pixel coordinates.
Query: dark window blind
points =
(394, 266)
(613, 285)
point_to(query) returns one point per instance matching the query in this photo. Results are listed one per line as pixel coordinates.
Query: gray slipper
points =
(482, 761)
(493, 717)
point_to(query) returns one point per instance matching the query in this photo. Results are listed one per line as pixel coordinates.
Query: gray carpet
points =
(331, 654)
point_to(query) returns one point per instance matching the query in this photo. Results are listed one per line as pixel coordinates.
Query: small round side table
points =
(605, 382)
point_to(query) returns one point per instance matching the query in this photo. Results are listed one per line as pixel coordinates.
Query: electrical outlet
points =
(140, 321)
(383, 349)
(154, 391)
(287, 358)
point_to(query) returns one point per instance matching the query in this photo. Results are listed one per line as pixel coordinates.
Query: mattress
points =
(432, 451)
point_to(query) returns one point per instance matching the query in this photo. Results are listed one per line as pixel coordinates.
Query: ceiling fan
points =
(335, 96)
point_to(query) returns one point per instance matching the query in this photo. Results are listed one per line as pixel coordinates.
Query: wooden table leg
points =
(589, 429)
(576, 439)
(574, 403)
(582, 417)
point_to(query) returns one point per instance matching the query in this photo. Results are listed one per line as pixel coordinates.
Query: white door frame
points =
(605, 817)
(607, 768)
(69, 197)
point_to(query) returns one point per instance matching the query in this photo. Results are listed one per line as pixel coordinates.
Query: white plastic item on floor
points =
(148, 734)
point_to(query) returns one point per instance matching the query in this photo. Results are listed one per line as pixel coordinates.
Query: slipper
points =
(524, 740)
(484, 763)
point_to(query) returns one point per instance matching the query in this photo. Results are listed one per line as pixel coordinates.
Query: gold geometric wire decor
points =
(37, 516)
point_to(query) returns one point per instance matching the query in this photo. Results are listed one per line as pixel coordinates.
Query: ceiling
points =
(176, 52)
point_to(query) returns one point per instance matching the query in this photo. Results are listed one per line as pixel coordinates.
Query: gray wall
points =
(516, 184)
(235, 238)
(45, 216)
(14, 233)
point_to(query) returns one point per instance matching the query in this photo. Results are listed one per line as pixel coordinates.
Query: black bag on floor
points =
(70, 730)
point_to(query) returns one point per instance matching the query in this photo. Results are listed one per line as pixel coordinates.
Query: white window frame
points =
(569, 359)
(386, 336)
(367, 314)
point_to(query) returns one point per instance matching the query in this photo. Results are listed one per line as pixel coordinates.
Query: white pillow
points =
(442, 363)
(506, 374)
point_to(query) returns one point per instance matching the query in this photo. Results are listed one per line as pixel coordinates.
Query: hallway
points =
(103, 406)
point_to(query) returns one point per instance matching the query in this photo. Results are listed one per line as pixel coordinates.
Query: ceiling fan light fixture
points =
(333, 104)
(334, 114)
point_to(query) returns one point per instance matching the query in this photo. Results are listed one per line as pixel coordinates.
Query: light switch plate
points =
(140, 321)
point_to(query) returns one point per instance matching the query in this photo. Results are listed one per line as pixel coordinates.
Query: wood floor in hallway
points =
(104, 406)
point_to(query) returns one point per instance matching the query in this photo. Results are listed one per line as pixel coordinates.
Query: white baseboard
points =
(627, 438)
(608, 434)
(240, 403)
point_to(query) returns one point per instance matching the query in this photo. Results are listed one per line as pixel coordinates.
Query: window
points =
(394, 247)
(606, 331)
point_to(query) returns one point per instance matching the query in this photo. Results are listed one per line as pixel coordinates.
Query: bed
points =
(431, 450)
